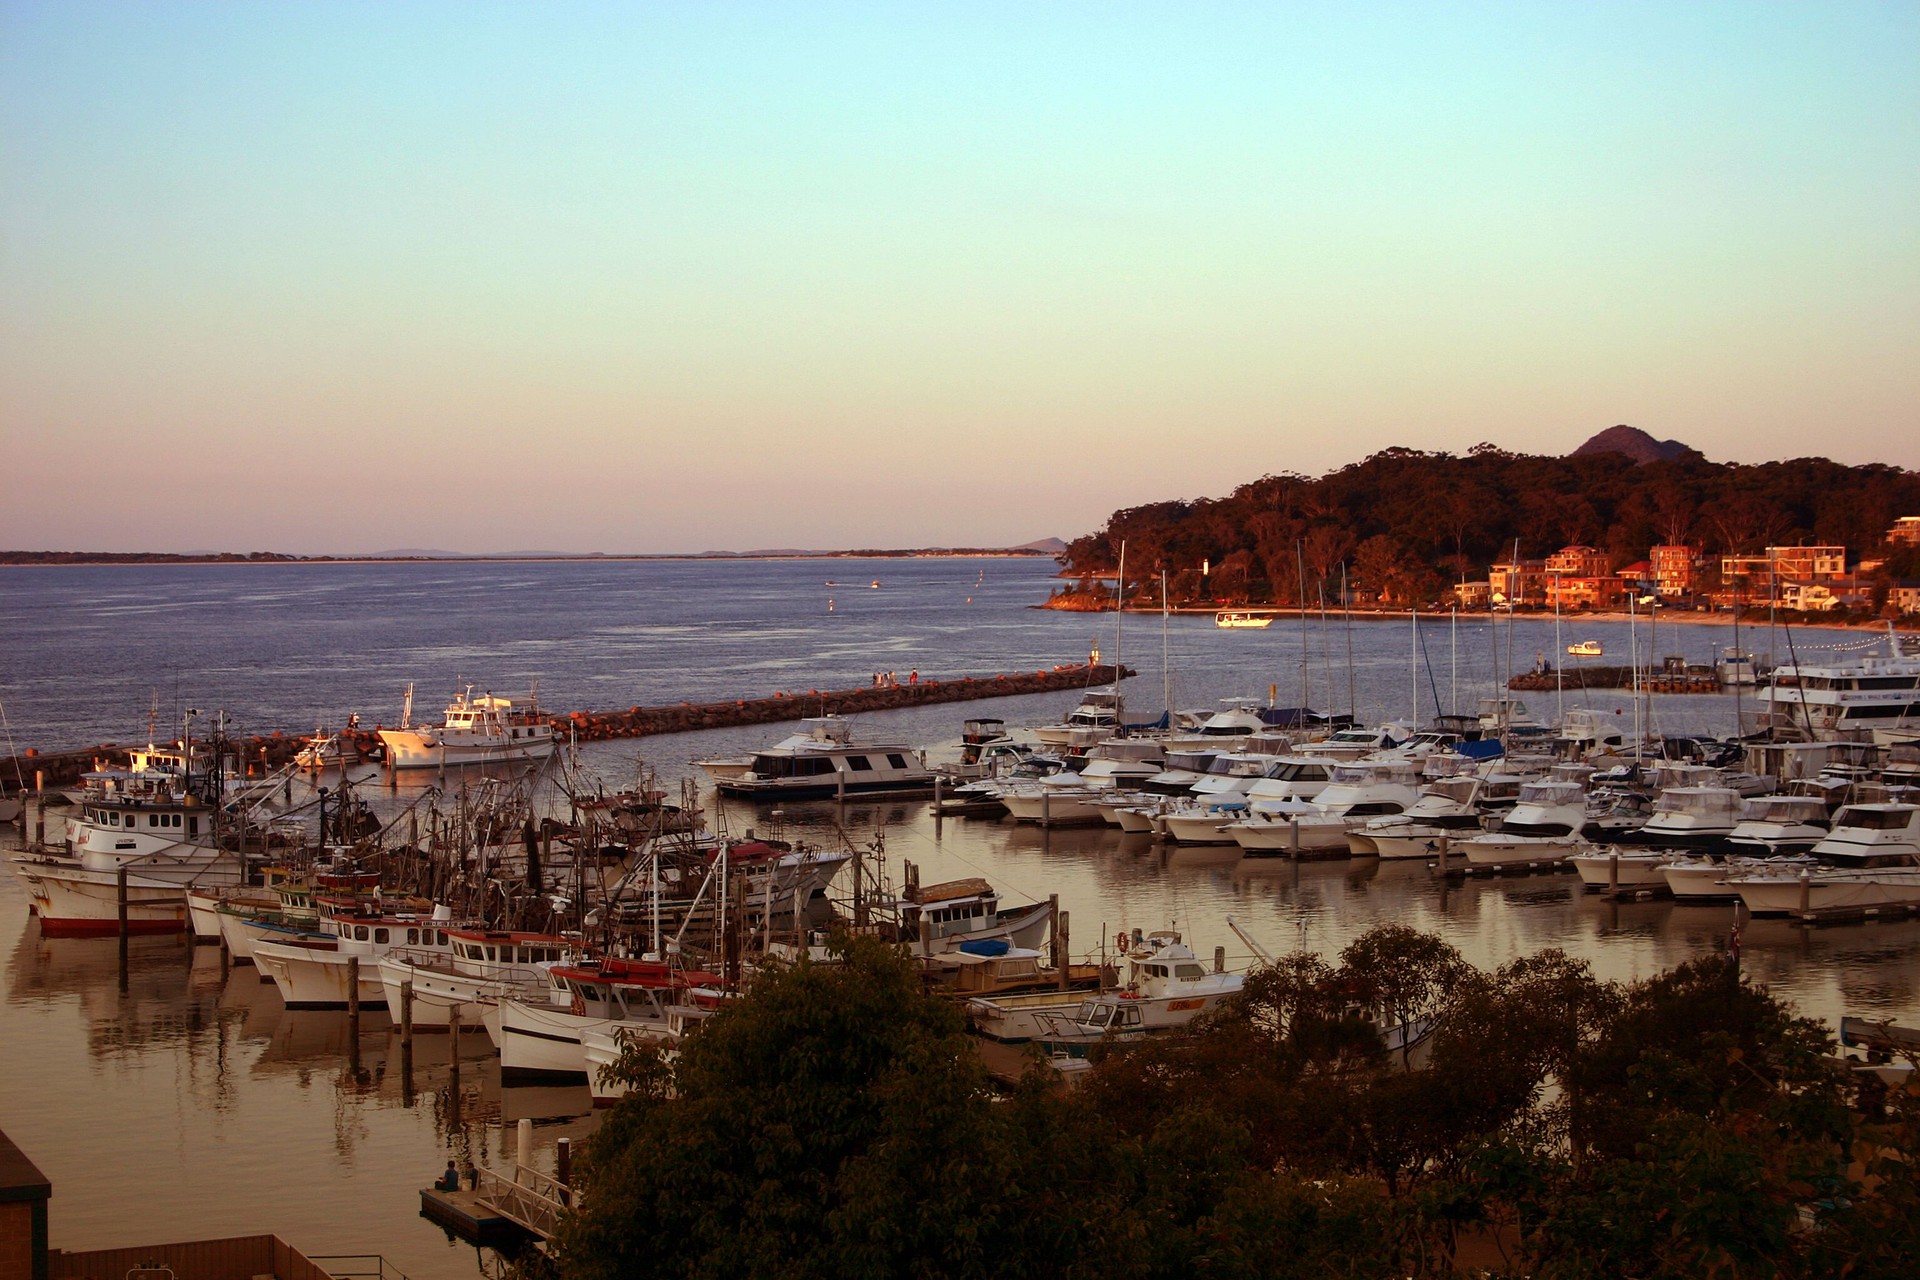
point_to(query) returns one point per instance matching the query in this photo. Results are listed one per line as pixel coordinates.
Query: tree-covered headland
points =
(1405, 525)
(835, 1123)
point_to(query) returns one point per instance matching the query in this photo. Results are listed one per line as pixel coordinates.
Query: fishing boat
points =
(540, 1040)
(479, 967)
(1167, 987)
(1242, 618)
(324, 969)
(938, 918)
(163, 840)
(475, 729)
(1585, 649)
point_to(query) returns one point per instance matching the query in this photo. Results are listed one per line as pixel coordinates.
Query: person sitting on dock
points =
(472, 1174)
(450, 1180)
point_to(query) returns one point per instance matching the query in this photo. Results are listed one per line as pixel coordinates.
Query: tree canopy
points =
(1405, 523)
(835, 1122)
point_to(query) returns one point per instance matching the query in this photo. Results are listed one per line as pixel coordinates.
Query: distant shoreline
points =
(1666, 618)
(64, 559)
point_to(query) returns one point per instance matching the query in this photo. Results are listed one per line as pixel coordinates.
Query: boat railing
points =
(357, 1266)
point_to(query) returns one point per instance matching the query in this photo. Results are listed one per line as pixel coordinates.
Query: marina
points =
(372, 1091)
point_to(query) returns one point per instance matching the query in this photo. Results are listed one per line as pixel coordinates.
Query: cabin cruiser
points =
(1351, 743)
(1095, 719)
(1544, 826)
(1068, 798)
(821, 761)
(1866, 698)
(1785, 824)
(1359, 790)
(1870, 860)
(1450, 808)
(1690, 818)
(1702, 877)
(475, 729)
(1181, 769)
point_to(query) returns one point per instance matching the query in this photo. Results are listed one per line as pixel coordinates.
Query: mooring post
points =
(937, 801)
(406, 1015)
(1046, 806)
(1293, 834)
(453, 1055)
(1613, 869)
(1806, 894)
(1219, 959)
(563, 1168)
(120, 880)
(523, 1145)
(1062, 946)
(353, 998)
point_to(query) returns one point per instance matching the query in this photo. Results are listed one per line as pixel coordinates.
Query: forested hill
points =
(1409, 523)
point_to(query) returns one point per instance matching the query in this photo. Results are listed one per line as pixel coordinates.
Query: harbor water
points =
(179, 1100)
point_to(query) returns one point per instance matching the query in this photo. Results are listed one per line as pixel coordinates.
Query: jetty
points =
(267, 752)
(1657, 680)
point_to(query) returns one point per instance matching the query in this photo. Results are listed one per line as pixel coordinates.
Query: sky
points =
(334, 278)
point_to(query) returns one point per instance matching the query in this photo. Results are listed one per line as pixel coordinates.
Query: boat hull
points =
(314, 979)
(73, 902)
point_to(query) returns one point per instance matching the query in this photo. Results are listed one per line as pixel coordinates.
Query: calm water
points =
(190, 1104)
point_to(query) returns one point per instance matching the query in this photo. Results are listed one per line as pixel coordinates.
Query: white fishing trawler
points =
(476, 729)
(163, 839)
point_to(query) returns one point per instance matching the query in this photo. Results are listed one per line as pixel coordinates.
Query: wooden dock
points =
(469, 1216)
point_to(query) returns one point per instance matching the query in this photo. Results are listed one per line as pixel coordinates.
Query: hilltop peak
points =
(1633, 442)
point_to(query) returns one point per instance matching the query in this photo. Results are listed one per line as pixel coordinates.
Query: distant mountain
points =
(1633, 442)
(1043, 546)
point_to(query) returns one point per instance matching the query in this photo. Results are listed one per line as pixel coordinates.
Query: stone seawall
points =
(272, 751)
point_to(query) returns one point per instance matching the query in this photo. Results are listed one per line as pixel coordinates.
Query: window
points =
(897, 760)
(413, 937)
(859, 764)
(379, 935)
(360, 933)
(153, 819)
(442, 937)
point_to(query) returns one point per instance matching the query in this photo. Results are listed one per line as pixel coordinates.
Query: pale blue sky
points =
(337, 277)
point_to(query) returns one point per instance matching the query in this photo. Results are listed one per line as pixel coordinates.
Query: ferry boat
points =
(1871, 697)
(1242, 618)
(476, 729)
(821, 761)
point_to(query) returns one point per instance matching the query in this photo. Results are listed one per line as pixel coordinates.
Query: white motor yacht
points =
(1871, 859)
(1787, 824)
(1359, 790)
(1690, 818)
(1446, 807)
(1543, 826)
(1095, 719)
(822, 760)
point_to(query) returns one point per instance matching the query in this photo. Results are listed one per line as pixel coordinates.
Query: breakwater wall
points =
(272, 751)
(1658, 681)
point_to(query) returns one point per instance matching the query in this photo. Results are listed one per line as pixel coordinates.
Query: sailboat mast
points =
(1300, 567)
(1413, 670)
(1346, 608)
(1166, 663)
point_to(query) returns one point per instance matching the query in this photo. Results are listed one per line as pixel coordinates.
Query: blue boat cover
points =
(1483, 749)
(986, 947)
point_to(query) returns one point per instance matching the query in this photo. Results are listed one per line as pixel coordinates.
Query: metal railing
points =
(357, 1266)
(531, 1198)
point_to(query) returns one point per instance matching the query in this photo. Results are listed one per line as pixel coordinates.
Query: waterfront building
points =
(1518, 582)
(1671, 570)
(1905, 530)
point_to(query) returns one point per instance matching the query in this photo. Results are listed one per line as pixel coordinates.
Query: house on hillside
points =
(1671, 570)
(1905, 530)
